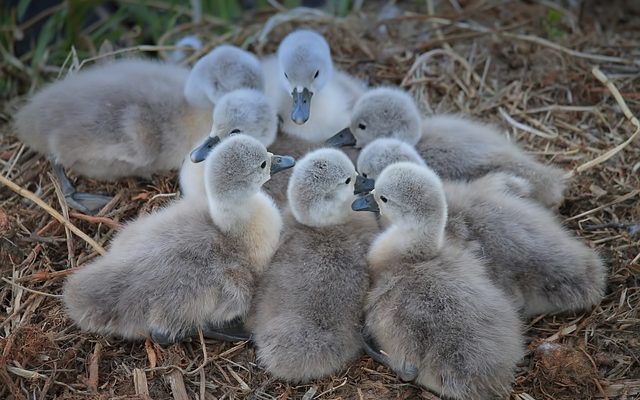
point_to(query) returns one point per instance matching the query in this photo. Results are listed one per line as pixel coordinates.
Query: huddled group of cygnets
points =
(460, 245)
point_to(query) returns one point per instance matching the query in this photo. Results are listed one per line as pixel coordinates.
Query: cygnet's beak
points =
(363, 185)
(342, 139)
(365, 203)
(200, 153)
(301, 106)
(280, 163)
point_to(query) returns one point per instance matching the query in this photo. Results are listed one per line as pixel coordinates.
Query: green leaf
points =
(22, 7)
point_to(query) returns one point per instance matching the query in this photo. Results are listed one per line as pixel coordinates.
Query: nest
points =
(564, 89)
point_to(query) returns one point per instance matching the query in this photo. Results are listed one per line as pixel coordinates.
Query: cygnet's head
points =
(224, 69)
(320, 189)
(188, 42)
(379, 113)
(378, 155)
(238, 167)
(243, 111)
(304, 58)
(411, 196)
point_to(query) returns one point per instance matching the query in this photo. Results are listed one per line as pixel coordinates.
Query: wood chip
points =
(176, 381)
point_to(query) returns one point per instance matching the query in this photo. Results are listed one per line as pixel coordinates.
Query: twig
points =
(31, 196)
(94, 361)
(524, 127)
(620, 199)
(627, 113)
(204, 353)
(12, 283)
(65, 213)
(97, 220)
(48, 276)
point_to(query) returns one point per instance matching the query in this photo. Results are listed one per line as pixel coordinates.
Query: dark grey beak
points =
(201, 152)
(363, 185)
(301, 106)
(342, 139)
(365, 203)
(280, 163)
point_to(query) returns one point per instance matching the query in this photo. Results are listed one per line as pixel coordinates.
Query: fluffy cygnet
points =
(192, 265)
(530, 255)
(313, 99)
(432, 311)
(307, 315)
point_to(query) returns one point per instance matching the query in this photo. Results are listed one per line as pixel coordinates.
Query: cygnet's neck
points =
(196, 123)
(412, 242)
(234, 214)
(255, 222)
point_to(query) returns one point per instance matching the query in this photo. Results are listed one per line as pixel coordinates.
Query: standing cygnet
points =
(312, 98)
(191, 265)
(242, 111)
(307, 311)
(530, 256)
(455, 147)
(129, 117)
(432, 310)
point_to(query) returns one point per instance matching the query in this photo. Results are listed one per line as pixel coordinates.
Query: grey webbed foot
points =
(88, 203)
(232, 331)
(407, 373)
(161, 338)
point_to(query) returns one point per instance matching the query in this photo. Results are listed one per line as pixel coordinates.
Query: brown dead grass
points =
(492, 61)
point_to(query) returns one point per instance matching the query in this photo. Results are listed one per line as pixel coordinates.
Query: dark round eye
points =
(263, 165)
(362, 126)
(383, 199)
(233, 132)
(347, 181)
(286, 76)
(316, 75)
(364, 175)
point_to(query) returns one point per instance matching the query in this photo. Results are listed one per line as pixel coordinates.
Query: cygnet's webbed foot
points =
(232, 331)
(164, 339)
(406, 373)
(88, 203)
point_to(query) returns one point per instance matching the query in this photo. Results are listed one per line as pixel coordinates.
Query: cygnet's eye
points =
(286, 76)
(364, 175)
(347, 181)
(362, 126)
(233, 132)
(263, 165)
(316, 75)
(383, 199)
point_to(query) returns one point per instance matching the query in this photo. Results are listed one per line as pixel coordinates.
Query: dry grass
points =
(495, 62)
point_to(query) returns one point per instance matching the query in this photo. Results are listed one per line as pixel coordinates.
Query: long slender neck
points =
(196, 123)
(233, 215)
(402, 242)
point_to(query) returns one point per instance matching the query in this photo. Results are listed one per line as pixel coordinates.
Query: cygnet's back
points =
(191, 265)
(308, 308)
(541, 265)
(123, 118)
(432, 309)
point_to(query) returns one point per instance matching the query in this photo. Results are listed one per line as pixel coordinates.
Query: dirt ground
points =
(525, 66)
